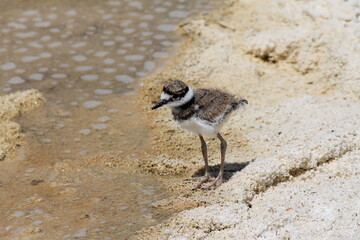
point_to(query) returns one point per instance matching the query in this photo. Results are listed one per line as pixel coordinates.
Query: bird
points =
(202, 112)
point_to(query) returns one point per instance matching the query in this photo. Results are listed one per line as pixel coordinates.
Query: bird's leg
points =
(220, 178)
(204, 153)
(205, 156)
(206, 178)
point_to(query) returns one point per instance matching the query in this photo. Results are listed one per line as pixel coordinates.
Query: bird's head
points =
(175, 93)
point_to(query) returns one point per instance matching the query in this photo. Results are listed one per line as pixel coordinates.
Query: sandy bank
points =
(11, 106)
(293, 159)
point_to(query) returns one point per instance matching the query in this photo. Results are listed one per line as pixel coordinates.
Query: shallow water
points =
(87, 58)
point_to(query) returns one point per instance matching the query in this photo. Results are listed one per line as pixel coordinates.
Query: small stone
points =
(16, 80)
(166, 27)
(7, 66)
(99, 126)
(178, 14)
(124, 78)
(103, 118)
(8, 228)
(17, 214)
(149, 65)
(36, 182)
(36, 76)
(122, 208)
(81, 233)
(91, 104)
(46, 140)
(85, 131)
(103, 91)
(89, 77)
(37, 222)
(30, 170)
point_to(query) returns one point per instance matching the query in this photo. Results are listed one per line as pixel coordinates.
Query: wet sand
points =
(71, 166)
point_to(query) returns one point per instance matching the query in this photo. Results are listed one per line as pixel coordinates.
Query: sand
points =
(12, 106)
(293, 161)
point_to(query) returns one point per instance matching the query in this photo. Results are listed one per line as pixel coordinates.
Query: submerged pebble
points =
(91, 104)
(89, 77)
(30, 170)
(124, 78)
(79, 58)
(147, 191)
(18, 214)
(58, 75)
(134, 57)
(104, 119)
(16, 80)
(103, 91)
(46, 140)
(81, 233)
(7, 66)
(149, 65)
(166, 27)
(99, 126)
(85, 131)
(83, 68)
(36, 76)
(178, 14)
(37, 222)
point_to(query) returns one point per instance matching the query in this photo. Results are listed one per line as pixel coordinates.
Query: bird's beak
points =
(159, 104)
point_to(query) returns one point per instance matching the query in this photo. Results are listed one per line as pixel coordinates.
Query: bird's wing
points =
(213, 103)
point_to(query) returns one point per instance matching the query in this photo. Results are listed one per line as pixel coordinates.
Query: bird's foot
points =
(203, 180)
(215, 184)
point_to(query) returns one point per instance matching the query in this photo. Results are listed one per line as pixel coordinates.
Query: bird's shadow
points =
(229, 170)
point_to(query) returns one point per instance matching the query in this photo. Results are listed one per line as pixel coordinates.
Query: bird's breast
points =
(198, 126)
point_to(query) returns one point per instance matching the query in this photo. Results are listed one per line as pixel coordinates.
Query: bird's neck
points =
(189, 97)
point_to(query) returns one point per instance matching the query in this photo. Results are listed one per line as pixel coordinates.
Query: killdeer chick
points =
(201, 111)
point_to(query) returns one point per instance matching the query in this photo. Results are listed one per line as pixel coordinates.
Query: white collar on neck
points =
(188, 96)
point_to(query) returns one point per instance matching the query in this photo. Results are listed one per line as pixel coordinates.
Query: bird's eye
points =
(176, 96)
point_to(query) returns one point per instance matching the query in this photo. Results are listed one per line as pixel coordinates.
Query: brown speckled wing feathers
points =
(212, 103)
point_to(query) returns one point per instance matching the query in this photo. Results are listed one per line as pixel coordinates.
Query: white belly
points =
(198, 126)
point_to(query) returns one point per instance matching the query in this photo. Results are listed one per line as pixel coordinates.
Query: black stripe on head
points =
(176, 89)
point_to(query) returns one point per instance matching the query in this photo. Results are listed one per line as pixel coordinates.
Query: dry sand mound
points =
(11, 106)
(296, 62)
